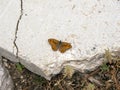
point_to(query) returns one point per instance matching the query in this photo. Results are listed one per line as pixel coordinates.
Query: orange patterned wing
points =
(54, 43)
(64, 47)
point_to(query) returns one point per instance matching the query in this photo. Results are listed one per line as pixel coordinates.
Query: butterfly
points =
(62, 46)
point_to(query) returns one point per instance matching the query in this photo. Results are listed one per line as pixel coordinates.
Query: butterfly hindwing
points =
(53, 43)
(64, 47)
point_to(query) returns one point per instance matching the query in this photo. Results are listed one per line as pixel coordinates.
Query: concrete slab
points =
(90, 27)
(9, 14)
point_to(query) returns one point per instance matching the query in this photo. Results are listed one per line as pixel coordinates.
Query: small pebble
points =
(21, 77)
(6, 64)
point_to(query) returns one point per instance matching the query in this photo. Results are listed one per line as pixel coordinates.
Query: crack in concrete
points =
(17, 27)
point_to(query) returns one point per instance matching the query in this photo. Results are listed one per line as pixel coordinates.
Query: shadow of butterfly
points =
(59, 45)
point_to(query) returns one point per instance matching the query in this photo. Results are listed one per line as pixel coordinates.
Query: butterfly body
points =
(59, 45)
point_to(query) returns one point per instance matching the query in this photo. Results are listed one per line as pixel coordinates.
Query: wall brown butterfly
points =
(59, 45)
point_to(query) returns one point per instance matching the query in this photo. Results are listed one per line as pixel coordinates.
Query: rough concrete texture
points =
(9, 14)
(91, 26)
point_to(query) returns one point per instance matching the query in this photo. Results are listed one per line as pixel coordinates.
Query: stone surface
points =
(9, 14)
(91, 26)
(6, 82)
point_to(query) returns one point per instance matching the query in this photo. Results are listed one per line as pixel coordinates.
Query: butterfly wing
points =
(64, 46)
(53, 43)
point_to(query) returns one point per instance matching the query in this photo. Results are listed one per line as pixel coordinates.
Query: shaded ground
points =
(105, 77)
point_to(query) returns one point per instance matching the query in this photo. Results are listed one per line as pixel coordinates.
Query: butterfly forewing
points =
(54, 43)
(64, 47)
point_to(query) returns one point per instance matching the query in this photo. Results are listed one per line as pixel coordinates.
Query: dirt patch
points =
(105, 77)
